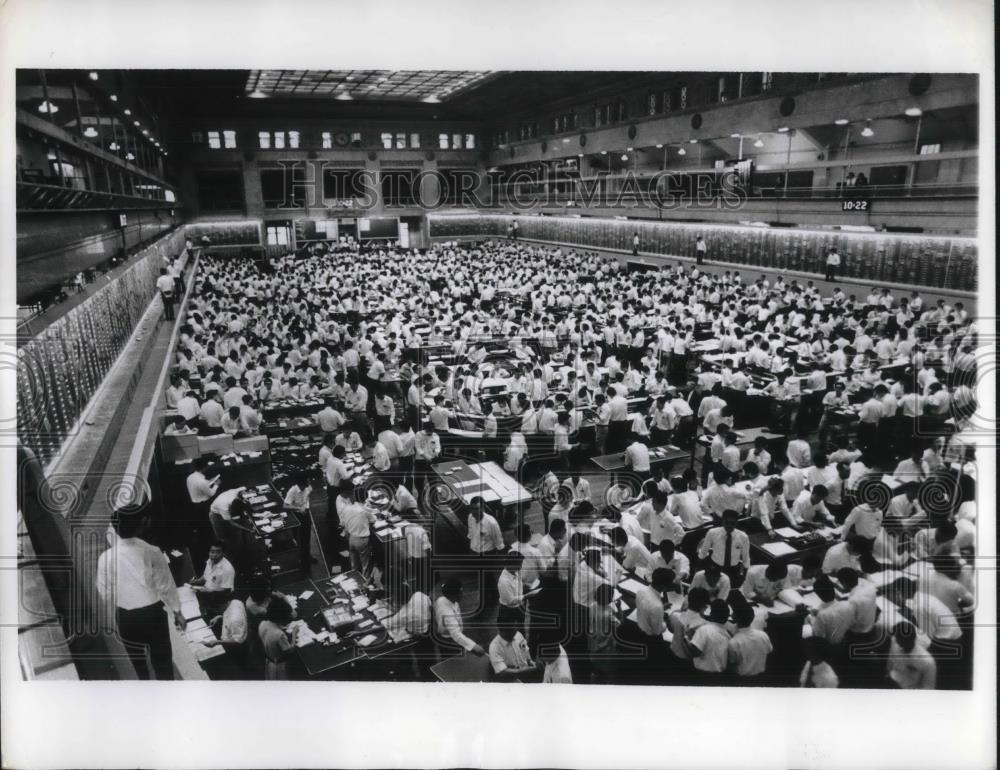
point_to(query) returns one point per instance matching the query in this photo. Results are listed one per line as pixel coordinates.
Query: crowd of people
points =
(555, 357)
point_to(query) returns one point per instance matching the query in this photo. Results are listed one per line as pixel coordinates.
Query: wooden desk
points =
(665, 455)
(464, 668)
(486, 480)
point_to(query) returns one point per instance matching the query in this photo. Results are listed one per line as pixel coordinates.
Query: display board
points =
(237, 233)
(934, 261)
(372, 228)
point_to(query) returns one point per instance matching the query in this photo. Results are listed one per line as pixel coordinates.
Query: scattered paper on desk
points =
(366, 641)
(786, 532)
(176, 554)
(203, 652)
(305, 595)
(631, 585)
(778, 549)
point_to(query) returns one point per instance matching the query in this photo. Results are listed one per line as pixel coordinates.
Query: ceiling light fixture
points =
(93, 76)
(127, 111)
(841, 122)
(624, 158)
(257, 94)
(659, 147)
(129, 156)
(783, 130)
(692, 141)
(682, 151)
(604, 152)
(734, 136)
(759, 142)
(113, 146)
(868, 130)
(914, 112)
(113, 97)
(48, 108)
(136, 122)
(145, 132)
(90, 132)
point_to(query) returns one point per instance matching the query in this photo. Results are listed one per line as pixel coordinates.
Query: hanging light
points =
(257, 94)
(48, 108)
(659, 147)
(51, 155)
(914, 112)
(114, 146)
(841, 122)
(113, 97)
(127, 111)
(682, 151)
(624, 158)
(867, 130)
(759, 142)
(734, 136)
(93, 76)
(129, 156)
(604, 152)
(136, 122)
(145, 132)
(783, 130)
(90, 132)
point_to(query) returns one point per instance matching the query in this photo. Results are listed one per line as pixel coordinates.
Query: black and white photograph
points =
(664, 380)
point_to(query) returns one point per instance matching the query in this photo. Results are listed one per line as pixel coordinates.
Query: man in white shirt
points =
(832, 619)
(748, 648)
(448, 619)
(485, 541)
(708, 643)
(356, 520)
(728, 547)
(219, 578)
(509, 654)
(134, 578)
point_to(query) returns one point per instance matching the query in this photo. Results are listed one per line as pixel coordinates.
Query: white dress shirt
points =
(449, 622)
(134, 574)
(484, 535)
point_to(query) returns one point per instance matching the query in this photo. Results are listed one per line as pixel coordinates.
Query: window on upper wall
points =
(356, 139)
(214, 140)
(401, 141)
(470, 141)
(443, 141)
(327, 137)
(387, 140)
(293, 139)
(456, 141)
(279, 140)
(414, 141)
(930, 149)
(265, 140)
(229, 140)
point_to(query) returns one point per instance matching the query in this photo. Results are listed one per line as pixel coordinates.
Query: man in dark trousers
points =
(699, 250)
(134, 578)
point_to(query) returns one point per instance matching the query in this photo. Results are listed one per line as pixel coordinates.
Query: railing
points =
(32, 196)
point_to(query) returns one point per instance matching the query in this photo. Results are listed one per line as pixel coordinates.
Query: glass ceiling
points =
(346, 85)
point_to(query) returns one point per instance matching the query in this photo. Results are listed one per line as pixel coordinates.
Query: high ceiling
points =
(397, 85)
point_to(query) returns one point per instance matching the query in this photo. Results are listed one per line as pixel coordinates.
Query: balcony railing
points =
(32, 196)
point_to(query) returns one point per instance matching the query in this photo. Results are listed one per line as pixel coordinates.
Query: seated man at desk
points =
(218, 580)
(809, 511)
(765, 583)
(448, 619)
(509, 653)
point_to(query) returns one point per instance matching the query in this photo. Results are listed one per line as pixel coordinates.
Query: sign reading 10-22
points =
(854, 205)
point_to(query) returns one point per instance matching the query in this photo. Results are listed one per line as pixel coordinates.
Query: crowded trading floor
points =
(503, 461)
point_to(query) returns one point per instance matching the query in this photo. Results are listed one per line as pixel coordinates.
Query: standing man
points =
(165, 283)
(134, 578)
(832, 264)
(699, 250)
(727, 547)
(635, 244)
(201, 490)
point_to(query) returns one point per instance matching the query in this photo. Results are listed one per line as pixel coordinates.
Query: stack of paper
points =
(778, 549)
